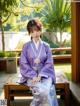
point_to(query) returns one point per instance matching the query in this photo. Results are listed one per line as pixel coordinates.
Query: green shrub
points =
(52, 45)
(8, 54)
(2, 54)
(60, 52)
(67, 43)
(68, 75)
(11, 54)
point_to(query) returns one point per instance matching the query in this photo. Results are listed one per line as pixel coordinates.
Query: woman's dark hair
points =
(34, 24)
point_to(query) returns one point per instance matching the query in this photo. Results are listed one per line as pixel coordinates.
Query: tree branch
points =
(6, 18)
(28, 5)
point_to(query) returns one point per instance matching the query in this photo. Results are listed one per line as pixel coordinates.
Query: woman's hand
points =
(36, 79)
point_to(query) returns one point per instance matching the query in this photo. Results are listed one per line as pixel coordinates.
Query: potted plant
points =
(8, 61)
(11, 62)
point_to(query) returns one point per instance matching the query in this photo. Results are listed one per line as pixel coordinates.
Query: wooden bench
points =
(62, 58)
(12, 89)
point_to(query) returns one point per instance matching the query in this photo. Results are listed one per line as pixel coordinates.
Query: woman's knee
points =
(44, 92)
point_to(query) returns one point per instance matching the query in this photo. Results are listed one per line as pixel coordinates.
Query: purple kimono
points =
(45, 69)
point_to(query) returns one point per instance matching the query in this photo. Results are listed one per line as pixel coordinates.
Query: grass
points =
(65, 68)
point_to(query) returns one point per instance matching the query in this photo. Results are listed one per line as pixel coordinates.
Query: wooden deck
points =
(75, 94)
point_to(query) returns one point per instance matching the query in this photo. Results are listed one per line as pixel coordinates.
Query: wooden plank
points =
(61, 56)
(61, 49)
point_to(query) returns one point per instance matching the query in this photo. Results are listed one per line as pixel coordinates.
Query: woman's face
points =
(35, 33)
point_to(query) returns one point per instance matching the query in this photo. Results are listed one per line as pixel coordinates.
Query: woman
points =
(36, 67)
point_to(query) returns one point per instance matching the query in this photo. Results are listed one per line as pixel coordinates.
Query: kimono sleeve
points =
(25, 68)
(48, 69)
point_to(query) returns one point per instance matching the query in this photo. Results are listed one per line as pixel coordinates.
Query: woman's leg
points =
(53, 96)
(42, 94)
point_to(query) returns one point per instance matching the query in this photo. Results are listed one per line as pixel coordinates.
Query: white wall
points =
(12, 39)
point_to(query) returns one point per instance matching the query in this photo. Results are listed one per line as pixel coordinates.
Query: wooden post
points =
(75, 27)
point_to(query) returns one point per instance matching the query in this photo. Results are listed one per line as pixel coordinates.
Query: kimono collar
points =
(37, 52)
(38, 43)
